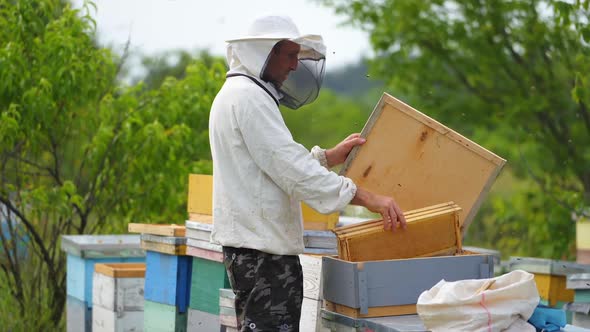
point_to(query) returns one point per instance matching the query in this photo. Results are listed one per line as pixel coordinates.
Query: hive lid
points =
(421, 162)
(98, 246)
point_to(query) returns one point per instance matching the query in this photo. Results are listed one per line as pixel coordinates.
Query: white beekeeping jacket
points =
(260, 174)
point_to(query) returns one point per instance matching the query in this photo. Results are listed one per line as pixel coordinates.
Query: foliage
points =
(513, 75)
(80, 155)
(326, 121)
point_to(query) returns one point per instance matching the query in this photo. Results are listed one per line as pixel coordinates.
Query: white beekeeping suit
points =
(260, 174)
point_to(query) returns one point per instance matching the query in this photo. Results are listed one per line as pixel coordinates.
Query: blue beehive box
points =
(83, 251)
(167, 279)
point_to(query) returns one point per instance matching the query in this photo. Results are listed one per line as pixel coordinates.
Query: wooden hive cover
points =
(420, 162)
(431, 231)
(121, 270)
(157, 229)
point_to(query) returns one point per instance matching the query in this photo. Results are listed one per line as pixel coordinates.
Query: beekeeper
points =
(260, 174)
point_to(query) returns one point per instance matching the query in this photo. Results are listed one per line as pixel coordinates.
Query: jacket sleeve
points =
(288, 163)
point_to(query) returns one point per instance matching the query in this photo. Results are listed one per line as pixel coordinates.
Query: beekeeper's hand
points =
(337, 155)
(393, 216)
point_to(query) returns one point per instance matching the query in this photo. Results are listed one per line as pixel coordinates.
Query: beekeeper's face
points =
(283, 59)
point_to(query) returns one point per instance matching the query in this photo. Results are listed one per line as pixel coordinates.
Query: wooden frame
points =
(431, 231)
(420, 162)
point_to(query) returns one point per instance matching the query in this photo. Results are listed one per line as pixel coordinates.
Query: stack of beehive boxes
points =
(83, 252)
(209, 274)
(227, 310)
(117, 297)
(551, 278)
(580, 308)
(167, 277)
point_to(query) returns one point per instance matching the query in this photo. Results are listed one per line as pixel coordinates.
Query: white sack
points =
(503, 303)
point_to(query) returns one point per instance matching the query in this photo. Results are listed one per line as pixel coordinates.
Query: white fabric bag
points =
(503, 303)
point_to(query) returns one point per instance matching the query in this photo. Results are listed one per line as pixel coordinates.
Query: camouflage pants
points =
(268, 288)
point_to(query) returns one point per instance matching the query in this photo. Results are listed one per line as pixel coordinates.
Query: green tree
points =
(81, 155)
(513, 75)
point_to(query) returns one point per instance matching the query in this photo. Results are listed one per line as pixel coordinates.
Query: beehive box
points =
(392, 287)
(167, 279)
(118, 290)
(421, 163)
(550, 277)
(227, 309)
(78, 315)
(200, 205)
(583, 241)
(163, 317)
(580, 308)
(83, 252)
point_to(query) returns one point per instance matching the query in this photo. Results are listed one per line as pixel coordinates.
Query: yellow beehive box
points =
(550, 277)
(583, 235)
(200, 205)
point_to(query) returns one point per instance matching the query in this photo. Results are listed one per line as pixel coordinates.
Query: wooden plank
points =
(309, 314)
(436, 235)
(547, 266)
(578, 281)
(394, 310)
(424, 165)
(102, 246)
(121, 270)
(200, 194)
(228, 320)
(157, 229)
(205, 254)
(312, 273)
(164, 248)
(204, 245)
(319, 239)
(202, 218)
(173, 240)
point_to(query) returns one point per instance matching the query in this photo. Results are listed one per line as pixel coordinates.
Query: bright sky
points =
(159, 25)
